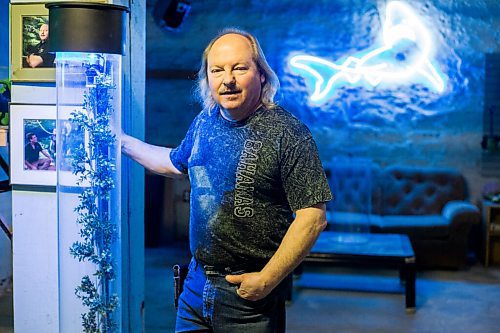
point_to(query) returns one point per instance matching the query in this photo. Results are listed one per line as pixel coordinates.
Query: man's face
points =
(33, 139)
(44, 32)
(234, 79)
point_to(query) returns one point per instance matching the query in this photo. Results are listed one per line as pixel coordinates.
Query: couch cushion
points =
(416, 191)
(423, 227)
(352, 183)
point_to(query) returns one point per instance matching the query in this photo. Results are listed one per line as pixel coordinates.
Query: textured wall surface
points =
(404, 124)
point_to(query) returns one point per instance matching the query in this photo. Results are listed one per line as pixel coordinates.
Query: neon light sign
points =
(405, 55)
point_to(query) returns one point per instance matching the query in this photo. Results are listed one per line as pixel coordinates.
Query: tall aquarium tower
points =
(88, 39)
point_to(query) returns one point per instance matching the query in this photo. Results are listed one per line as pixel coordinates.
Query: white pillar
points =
(35, 261)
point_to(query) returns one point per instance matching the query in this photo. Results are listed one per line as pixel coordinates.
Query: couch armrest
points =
(454, 209)
(461, 215)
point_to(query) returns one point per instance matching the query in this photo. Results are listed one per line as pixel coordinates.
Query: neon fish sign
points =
(405, 55)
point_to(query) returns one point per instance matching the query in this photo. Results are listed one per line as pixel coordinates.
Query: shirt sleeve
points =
(26, 153)
(303, 176)
(180, 155)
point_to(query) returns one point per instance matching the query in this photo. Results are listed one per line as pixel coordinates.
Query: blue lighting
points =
(404, 56)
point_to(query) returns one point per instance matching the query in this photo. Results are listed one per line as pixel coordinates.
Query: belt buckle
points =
(222, 271)
(210, 270)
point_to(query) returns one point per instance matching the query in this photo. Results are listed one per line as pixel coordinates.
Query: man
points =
(32, 150)
(252, 166)
(39, 55)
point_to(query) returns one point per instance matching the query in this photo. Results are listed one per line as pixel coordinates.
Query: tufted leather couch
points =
(429, 205)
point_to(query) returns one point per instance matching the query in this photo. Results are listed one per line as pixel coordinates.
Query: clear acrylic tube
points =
(88, 188)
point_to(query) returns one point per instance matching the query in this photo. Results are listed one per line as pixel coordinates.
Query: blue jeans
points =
(209, 303)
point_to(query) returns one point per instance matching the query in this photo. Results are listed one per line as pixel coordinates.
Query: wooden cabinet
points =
(491, 233)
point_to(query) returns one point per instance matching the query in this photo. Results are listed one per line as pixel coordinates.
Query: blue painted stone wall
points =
(406, 124)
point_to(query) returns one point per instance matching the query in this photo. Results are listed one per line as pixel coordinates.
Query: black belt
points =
(213, 270)
(232, 269)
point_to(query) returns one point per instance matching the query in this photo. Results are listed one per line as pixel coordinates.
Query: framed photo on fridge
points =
(30, 56)
(33, 145)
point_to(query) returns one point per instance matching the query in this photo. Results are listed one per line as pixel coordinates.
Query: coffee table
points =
(369, 250)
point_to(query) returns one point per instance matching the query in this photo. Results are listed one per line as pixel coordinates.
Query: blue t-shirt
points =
(247, 178)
